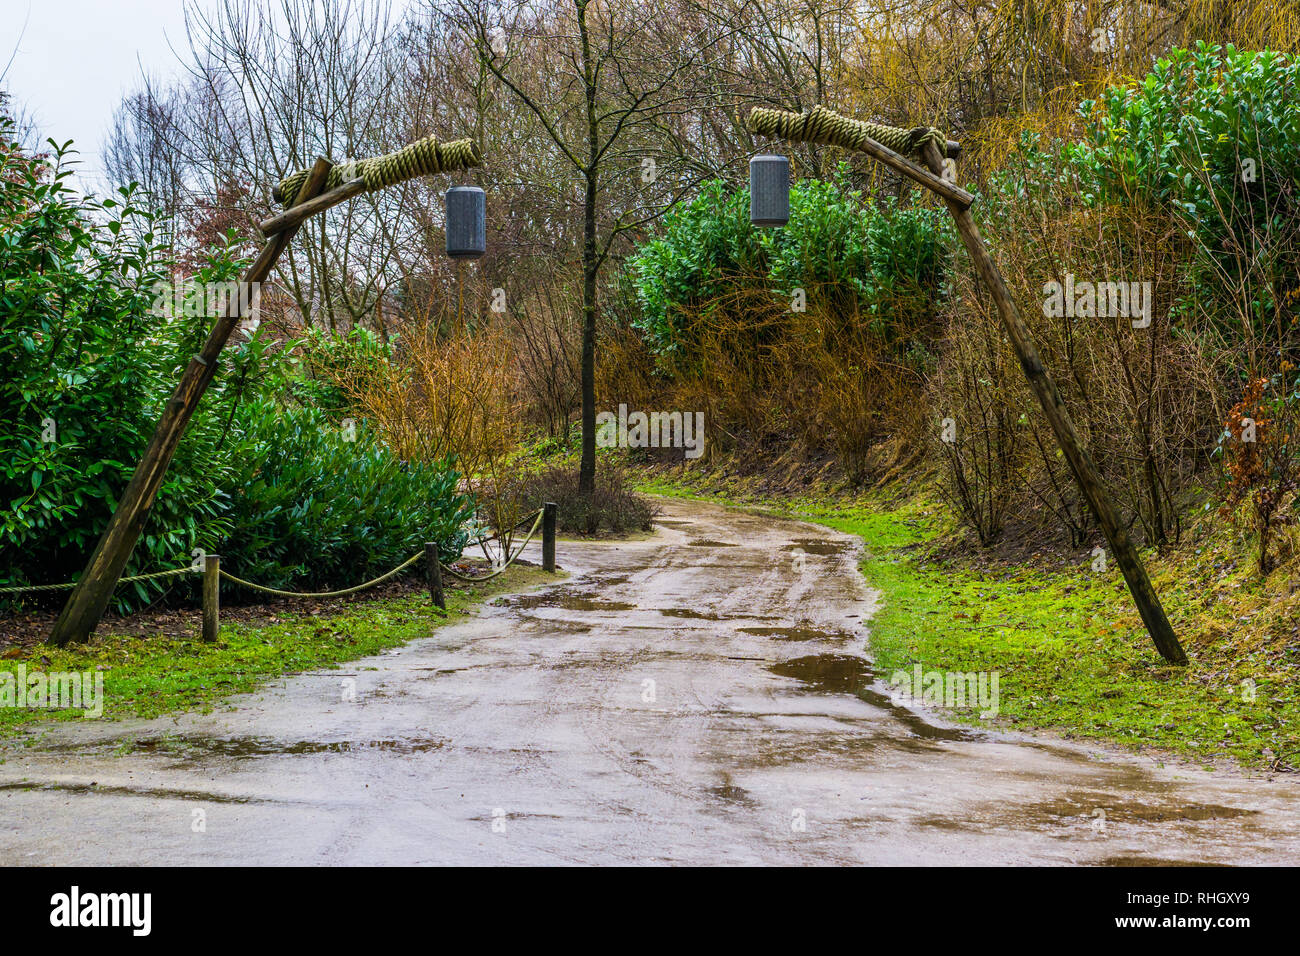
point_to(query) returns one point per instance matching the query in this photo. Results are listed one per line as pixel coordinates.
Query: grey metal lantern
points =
(466, 222)
(769, 190)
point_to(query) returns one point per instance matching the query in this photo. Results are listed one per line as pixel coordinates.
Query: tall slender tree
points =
(612, 87)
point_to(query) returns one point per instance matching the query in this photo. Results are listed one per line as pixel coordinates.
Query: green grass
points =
(1071, 654)
(149, 676)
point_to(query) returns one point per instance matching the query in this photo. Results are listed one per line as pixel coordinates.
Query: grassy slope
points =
(1071, 651)
(150, 676)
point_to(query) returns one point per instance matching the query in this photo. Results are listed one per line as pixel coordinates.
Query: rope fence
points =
(212, 571)
(541, 513)
(322, 594)
(188, 569)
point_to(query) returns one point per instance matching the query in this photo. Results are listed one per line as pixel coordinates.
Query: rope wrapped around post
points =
(127, 580)
(422, 158)
(889, 144)
(820, 125)
(322, 594)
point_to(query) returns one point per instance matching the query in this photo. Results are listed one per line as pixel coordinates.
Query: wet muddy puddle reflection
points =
(566, 601)
(245, 747)
(1089, 809)
(193, 796)
(694, 615)
(816, 546)
(796, 634)
(831, 673)
(846, 674)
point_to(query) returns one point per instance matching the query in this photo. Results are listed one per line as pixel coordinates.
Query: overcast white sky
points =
(76, 58)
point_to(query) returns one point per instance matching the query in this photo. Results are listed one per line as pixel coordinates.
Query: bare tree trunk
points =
(590, 268)
(590, 265)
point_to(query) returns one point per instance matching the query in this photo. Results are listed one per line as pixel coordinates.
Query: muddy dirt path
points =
(702, 696)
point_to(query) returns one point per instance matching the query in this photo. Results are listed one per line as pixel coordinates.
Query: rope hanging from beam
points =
(820, 125)
(422, 158)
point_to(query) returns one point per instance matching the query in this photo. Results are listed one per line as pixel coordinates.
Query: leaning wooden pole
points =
(89, 599)
(306, 193)
(1040, 380)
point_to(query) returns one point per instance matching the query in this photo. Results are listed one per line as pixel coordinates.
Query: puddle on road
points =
(567, 602)
(832, 673)
(915, 722)
(707, 543)
(687, 612)
(730, 793)
(1151, 861)
(1084, 804)
(816, 546)
(1083, 808)
(244, 747)
(200, 796)
(845, 674)
(796, 633)
(711, 616)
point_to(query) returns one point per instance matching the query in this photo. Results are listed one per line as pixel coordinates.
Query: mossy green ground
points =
(149, 676)
(1069, 648)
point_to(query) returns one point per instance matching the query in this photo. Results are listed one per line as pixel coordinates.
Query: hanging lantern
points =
(769, 190)
(466, 222)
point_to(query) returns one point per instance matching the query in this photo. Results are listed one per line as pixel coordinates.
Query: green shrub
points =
(86, 365)
(1183, 133)
(704, 247)
(327, 358)
(319, 507)
(1212, 135)
(87, 359)
(861, 256)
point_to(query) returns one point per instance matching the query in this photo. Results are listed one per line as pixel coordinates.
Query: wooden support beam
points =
(89, 599)
(951, 192)
(1081, 464)
(294, 215)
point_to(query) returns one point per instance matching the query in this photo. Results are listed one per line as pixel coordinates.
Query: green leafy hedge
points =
(862, 256)
(1207, 130)
(84, 365)
(87, 359)
(317, 505)
(1212, 135)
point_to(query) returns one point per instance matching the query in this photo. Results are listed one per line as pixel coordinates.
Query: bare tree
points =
(607, 84)
(271, 84)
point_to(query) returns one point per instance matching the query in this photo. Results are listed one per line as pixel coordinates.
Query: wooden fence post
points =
(433, 571)
(211, 597)
(548, 535)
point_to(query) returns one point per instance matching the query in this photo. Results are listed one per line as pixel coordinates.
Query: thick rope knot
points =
(820, 125)
(422, 158)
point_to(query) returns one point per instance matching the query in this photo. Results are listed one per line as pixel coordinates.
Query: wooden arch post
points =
(89, 599)
(1040, 380)
(306, 194)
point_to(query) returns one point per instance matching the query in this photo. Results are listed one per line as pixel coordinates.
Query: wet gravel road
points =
(702, 696)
